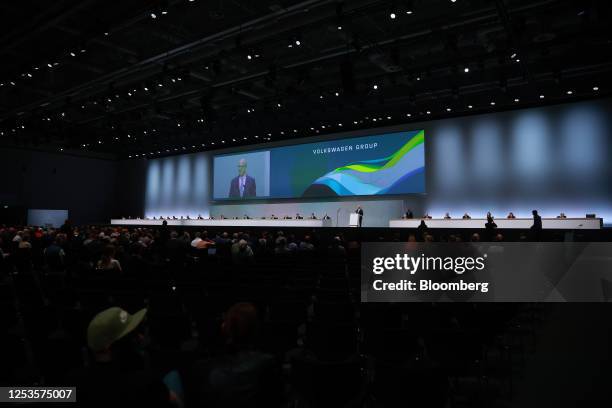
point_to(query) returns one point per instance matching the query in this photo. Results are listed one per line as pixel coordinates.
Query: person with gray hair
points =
(243, 185)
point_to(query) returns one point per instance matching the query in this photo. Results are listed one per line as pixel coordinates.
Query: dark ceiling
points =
(145, 79)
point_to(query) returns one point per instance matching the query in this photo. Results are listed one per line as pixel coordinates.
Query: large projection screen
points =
(384, 164)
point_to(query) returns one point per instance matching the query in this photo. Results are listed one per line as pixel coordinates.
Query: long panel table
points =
(253, 222)
(503, 223)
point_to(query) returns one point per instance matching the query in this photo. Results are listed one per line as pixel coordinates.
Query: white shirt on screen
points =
(241, 183)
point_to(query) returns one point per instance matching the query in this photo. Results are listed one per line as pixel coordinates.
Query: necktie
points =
(241, 187)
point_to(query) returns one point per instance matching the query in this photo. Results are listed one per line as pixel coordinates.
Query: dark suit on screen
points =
(250, 189)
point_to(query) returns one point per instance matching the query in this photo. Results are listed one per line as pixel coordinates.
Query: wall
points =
(41, 180)
(553, 159)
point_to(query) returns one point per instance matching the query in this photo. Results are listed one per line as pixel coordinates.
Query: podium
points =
(354, 220)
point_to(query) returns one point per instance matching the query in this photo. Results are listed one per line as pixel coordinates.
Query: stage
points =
(252, 222)
(474, 223)
(502, 223)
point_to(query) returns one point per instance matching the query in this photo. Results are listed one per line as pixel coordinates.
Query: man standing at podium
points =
(359, 212)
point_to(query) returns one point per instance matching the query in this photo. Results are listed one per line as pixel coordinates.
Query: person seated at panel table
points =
(466, 216)
(246, 217)
(447, 216)
(408, 215)
(313, 216)
(273, 217)
(326, 217)
(174, 217)
(287, 217)
(222, 217)
(427, 216)
(188, 218)
(511, 216)
(298, 216)
(200, 217)
(562, 215)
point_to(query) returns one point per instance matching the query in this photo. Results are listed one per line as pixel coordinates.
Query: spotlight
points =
(448, 109)
(249, 57)
(153, 16)
(375, 86)
(392, 16)
(541, 96)
(516, 99)
(492, 103)
(466, 70)
(339, 27)
(72, 54)
(337, 93)
(596, 88)
(569, 92)
(428, 112)
(513, 55)
(470, 106)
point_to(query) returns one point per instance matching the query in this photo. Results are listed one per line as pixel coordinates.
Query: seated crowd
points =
(163, 317)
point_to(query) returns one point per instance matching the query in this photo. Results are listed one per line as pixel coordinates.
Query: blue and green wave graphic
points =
(399, 173)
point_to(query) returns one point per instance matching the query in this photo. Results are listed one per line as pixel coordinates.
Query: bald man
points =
(242, 186)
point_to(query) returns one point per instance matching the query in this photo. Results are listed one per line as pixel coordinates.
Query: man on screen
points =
(242, 186)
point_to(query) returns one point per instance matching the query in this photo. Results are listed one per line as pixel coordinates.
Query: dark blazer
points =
(537, 222)
(250, 189)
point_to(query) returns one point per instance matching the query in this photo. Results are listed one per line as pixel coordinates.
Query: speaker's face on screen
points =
(242, 167)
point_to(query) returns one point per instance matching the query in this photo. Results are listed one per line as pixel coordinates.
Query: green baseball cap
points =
(110, 325)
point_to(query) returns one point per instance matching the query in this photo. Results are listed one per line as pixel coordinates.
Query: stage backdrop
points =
(383, 164)
(552, 159)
